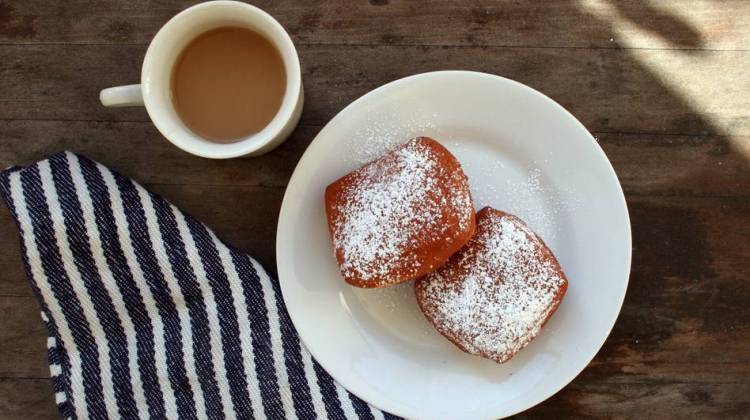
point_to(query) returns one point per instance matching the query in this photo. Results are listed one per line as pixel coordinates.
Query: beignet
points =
(494, 295)
(401, 216)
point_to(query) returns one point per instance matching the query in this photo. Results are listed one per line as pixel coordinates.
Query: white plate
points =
(523, 153)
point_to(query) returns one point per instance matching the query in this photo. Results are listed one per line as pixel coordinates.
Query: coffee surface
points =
(228, 83)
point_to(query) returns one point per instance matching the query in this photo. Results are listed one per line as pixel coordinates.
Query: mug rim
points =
(287, 111)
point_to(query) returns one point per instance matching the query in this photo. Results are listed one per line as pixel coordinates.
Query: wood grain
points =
(608, 90)
(28, 399)
(697, 164)
(138, 150)
(667, 166)
(683, 336)
(662, 86)
(644, 400)
(556, 23)
(23, 353)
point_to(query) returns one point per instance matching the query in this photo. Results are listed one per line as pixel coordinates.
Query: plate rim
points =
(622, 202)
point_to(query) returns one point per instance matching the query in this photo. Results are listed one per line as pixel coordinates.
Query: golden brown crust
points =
(401, 216)
(493, 296)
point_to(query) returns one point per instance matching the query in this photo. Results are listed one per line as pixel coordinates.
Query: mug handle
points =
(119, 96)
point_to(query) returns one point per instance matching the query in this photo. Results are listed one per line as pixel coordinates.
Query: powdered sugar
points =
(384, 132)
(501, 177)
(392, 203)
(494, 298)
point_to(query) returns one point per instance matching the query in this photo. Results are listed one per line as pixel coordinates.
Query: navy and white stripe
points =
(149, 314)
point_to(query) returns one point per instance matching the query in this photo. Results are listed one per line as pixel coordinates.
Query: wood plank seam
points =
(396, 45)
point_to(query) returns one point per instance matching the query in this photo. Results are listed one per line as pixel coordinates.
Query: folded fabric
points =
(149, 314)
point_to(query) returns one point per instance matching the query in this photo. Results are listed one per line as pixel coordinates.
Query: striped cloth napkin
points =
(149, 314)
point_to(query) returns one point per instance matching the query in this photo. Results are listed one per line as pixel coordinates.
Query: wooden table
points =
(663, 85)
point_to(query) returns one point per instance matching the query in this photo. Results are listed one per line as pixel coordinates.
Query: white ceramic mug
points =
(154, 90)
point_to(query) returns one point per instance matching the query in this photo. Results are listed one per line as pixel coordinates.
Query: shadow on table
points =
(685, 183)
(687, 301)
(689, 290)
(661, 23)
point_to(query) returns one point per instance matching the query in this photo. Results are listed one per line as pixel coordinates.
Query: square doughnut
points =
(494, 295)
(400, 216)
